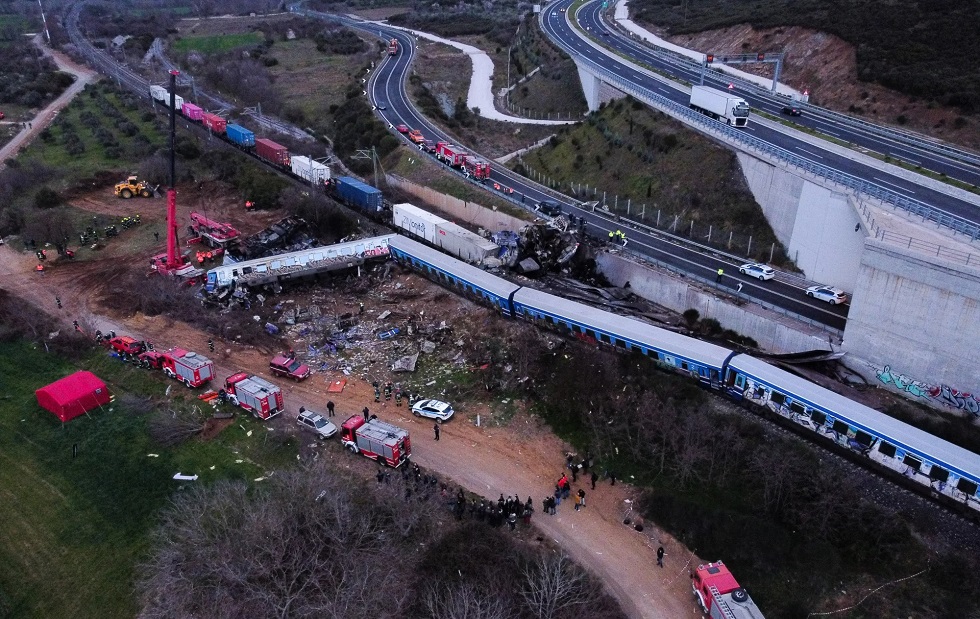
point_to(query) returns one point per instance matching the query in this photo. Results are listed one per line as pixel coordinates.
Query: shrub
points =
(46, 198)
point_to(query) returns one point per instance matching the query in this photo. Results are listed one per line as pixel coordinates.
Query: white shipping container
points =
(310, 170)
(160, 94)
(178, 102)
(416, 222)
(464, 244)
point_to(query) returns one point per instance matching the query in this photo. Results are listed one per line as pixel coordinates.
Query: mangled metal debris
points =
(406, 363)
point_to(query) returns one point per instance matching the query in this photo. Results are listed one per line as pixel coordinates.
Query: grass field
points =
(72, 529)
(215, 44)
(95, 157)
(312, 80)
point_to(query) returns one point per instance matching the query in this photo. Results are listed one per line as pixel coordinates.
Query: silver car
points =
(433, 409)
(760, 271)
(834, 296)
(314, 422)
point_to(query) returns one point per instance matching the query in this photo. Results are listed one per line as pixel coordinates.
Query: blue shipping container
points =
(361, 195)
(240, 135)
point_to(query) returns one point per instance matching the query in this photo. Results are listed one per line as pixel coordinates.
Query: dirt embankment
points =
(827, 66)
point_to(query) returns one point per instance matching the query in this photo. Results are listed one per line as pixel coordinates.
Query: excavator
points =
(134, 187)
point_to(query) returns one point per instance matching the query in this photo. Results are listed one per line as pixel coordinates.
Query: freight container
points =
(272, 152)
(159, 93)
(192, 111)
(214, 122)
(416, 222)
(463, 244)
(178, 102)
(240, 135)
(309, 170)
(358, 194)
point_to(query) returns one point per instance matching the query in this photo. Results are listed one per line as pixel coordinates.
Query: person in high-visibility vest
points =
(720, 273)
(612, 236)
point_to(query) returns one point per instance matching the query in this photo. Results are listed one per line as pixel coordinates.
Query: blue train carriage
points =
(463, 278)
(669, 350)
(946, 469)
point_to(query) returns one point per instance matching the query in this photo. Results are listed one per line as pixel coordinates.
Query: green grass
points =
(52, 152)
(654, 165)
(216, 44)
(310, 79)
(73, 528)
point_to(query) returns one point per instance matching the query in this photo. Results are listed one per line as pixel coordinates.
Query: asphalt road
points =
(558, 27)
(387, 89)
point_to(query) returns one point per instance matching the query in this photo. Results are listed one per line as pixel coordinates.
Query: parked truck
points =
(450, 154)
(393, 47)
(240, 135)
(185, 366)
(720, 596)
(309, 170)
(720, 105)
(357, 194)
(274, 153)
(377, 440)
(478, 168)
(255, 394)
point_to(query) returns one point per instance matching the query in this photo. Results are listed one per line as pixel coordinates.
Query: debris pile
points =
(546, 247)
(286, 235)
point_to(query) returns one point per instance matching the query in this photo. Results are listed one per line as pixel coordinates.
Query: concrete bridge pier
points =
(595, 90)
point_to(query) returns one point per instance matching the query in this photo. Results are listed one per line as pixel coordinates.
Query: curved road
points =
(387, 88)
(558, 26)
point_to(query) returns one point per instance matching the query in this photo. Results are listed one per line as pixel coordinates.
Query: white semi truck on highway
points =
(720, 105)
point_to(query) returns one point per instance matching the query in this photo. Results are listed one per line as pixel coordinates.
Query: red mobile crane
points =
(172, 263)
(214, 233)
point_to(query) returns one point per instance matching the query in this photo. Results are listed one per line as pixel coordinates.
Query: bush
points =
(46, 198)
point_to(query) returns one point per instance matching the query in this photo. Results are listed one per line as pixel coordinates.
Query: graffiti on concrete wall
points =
(938, 394)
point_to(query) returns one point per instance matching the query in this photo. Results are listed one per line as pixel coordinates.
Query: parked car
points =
(834, 296)
(402, 128)
(549, 208)
(314, 422)
(792, 110)
(760, 271)
(433, 409)
(286, 364)
(382, 105)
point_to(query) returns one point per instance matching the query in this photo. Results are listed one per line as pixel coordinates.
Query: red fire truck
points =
(188, 367)
(377, 440)
(393, 47)
(450, 154)
(720, 596)
(254, 394)
(478, 168)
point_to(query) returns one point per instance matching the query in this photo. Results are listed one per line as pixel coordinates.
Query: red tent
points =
(73, 395)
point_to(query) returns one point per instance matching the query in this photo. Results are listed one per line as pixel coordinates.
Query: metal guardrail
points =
(747, 142)
(909, 138)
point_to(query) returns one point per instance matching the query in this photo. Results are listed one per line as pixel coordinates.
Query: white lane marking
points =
(892, 184)
(808, 152)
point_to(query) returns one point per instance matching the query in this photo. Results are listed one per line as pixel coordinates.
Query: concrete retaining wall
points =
(819, 227)
(460, 210)
(773, 332)
(914, 321)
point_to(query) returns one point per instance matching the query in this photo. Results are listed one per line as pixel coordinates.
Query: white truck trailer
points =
(720, 105)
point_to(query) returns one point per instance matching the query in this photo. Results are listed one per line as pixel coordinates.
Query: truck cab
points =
(719, 594)
(125, 345)
(375, 439)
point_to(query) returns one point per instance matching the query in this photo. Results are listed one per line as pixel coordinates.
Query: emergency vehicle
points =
(377, 440)
(254, 394)
(188, 367)
(720, 595)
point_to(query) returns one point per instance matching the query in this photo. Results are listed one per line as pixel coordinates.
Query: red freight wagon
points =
(214, 122)
(191, 111)
(272, 152)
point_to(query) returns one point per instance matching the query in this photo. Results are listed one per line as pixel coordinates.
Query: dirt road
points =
(519, 457)
(83, 75)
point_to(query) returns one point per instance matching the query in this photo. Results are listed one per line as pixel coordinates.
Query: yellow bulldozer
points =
(134, 187)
